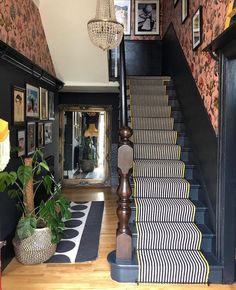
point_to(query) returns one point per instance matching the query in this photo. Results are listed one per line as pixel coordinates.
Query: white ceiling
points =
(78, 63)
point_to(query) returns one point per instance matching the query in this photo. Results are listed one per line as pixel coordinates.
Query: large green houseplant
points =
(23, 185)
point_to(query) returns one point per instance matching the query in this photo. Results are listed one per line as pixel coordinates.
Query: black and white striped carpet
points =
(169, 242)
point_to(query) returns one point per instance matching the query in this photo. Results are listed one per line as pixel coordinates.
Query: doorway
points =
(85, 145)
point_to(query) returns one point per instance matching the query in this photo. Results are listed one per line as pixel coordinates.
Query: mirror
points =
(85, 147)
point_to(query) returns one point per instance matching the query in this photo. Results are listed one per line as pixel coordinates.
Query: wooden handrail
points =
(125, 167)
(123, 88)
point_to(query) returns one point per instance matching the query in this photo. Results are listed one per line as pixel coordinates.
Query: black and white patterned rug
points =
(80, 239)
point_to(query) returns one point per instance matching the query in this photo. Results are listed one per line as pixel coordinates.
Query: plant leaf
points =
(7, 179)
(26, 227)
(39, 154)
(24, 173)
(13, 193)
(44, 165)
(48, 183)
(19, 207)
(13, 176)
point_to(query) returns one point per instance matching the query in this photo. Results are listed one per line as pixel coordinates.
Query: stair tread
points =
(183, 148)
(199, 205)
(188, 165)
(206, 232)
(193, 183)
(180, 134)
(213, 263)
(174, 108)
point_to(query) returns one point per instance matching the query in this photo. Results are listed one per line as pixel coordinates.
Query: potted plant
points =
(39, 228)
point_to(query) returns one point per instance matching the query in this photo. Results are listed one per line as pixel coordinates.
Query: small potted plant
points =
(39, 228)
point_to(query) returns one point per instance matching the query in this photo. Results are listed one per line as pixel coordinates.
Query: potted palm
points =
(39, 228)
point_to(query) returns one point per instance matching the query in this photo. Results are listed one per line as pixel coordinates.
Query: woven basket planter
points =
(36, 249)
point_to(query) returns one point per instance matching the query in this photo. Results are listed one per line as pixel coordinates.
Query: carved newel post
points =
(124, 191)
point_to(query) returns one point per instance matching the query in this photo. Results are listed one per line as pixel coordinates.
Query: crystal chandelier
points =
(104, 30)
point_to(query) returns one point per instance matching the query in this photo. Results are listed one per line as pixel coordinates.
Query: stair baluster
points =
(125, 167)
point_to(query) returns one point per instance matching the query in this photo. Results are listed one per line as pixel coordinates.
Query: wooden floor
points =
(89, 275)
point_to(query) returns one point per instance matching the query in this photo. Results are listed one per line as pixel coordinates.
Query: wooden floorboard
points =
(89, 275)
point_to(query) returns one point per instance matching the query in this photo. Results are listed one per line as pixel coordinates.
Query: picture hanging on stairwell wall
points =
(184, 10)
(123, 14)
(175, 2)
(147, 17)
(197, 28)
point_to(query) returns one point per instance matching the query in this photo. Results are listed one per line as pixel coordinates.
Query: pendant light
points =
(104, 30)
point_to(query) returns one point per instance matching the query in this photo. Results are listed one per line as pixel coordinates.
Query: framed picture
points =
(197, 28)
(31, 140)
(147, 17)
(21, 143)
(184, 10)
(231, 14)
(48, 133)
(18, 106)
(123, 14)
(43, 104)
(32, 101)
(51, 110)
(175, 2)
(40, 135)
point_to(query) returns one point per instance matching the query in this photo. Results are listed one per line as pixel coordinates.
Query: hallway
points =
(89, 275)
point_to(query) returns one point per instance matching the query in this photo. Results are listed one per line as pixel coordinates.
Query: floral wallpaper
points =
(22, 29)
(204, 68)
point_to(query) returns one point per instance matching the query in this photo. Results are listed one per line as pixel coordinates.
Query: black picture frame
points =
(31, 138)
(32, 102)
(21, 142)
(48, 131)
(18, 106)
(40, 135)
(43, 103)
(175, 2)
(184, 10)
(138, 7)
(122, 4)
(51, 105)
(197, 23)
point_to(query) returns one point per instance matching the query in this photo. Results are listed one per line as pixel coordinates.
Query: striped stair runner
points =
(168, 243)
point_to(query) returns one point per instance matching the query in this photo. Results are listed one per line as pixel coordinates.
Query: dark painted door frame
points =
(226, 211)
(225, 47)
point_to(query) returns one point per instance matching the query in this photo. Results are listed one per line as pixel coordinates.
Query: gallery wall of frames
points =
(33, 114)
(30, 107)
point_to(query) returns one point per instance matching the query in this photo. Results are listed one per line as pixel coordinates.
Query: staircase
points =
(172, 241)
